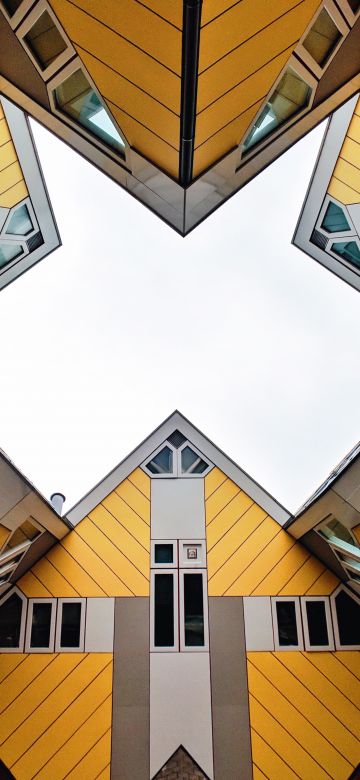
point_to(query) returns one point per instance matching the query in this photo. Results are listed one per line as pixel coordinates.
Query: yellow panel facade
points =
(345, 181)
(133, 56)
(304, 714)
(55, 713)
(12, 184)
(107, 554)
(250, 554)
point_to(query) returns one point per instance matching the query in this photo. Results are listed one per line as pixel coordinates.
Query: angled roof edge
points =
(327, 157)
(330, 480)
(206, 447)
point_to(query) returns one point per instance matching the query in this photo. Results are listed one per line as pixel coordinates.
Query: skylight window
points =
(76, 98)
(162, 463)
(322, 39)
(291, 96)
(45, 41)
(335, 220)
(191, 462)
(348, 250)
(20, 223)
(9, 251)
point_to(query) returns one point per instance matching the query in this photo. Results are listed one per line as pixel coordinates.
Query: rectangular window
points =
(164, 618)
(40, 628)
(193, 612)
(287, 623)
(70, 625)
(164, 554)
(317, 623)
(12, 622)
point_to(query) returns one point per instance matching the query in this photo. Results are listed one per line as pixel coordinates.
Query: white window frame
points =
(176, 472)
(348, 13)
(299, 628)
(20, 647)
(156, 565)
(21, 239)
(59, 648)
(342, 27)
(336, 239)
(185, 563)
(50, 647)
(155, 648)
(188, 474)
(308, 646)
(338, 645)
(343, 234)
(183, 647)
(28, 23)
(56, 81)
(165, 475)
(16, 18)
(309, 79)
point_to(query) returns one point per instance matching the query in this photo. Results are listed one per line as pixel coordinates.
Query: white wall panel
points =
(177, 509)
(258, 623)
(180, 708)
(99, 630)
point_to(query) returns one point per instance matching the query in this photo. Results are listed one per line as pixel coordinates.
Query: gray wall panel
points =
(229, 689)
(177, 509)
(130, 751)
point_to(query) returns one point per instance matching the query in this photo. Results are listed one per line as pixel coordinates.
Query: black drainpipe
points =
(189, 76)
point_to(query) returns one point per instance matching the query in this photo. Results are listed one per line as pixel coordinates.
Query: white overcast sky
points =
(254, 342)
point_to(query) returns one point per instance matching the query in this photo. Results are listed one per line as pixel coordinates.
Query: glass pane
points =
(9, 252)
(164, 610)
(76, 98)
(11, 6)
(26, 532)
(10, 621)
(162, 463)
(348, 618)
(20, 223)
(334, 220)
(194, 610)
(191, 462)
(286, 619)
(354, 5)
(44, 41)
(349, 250)
(335, 528)
(40, 628)
(176, 439)
(322, 39)
(164, 553)
(316, 618)
(291, 95)
(70, 625)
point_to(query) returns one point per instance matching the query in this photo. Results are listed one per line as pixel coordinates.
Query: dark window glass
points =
(164, 553)
(349, 250)
(323, 38)
(286, 618)
(191, 462)
(193, 610)
(12, 6)
(41, 622)
(335, 220)
(348, 618)
(316, 618)
(45, 41)
(176, 439)
(10, 621)
(70, 625)
(162, 463)
(354, 5)
(164, 610)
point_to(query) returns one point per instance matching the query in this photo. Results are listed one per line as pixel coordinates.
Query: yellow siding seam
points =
(43, 773)
(215, 473)
(290, 590)
(120, 489)
(291, 749)
(329, 679)
(219, 520)
(137, 478)
(218, 491)
(88, 759)
(11, 660)
(55, 578)
(106, 563)
(106, 578)
(255, 563)
(104, 774)
(272, 583)
(116, 544)
(259, 539)
(227, 539)
(85, 583)
(117, 520)
(33, 677)
(323, 752)
(326, 720)
(132, 570)
(345, 657)
(337, 674)
(290, 774)
(20, 680)
(258, 774)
